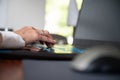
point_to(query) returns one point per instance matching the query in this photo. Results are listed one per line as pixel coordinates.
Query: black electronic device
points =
(99, 59)
(58, 52)
(98, 24)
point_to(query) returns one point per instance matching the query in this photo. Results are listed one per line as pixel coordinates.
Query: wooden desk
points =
(11, 70)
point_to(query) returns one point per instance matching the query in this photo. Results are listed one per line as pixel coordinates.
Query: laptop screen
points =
(98, 23)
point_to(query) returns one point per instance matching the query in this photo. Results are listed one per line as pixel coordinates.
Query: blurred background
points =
(51, 15)
(56, 17)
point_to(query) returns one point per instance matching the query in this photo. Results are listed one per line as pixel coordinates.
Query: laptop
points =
(58, 52)
(98, 24)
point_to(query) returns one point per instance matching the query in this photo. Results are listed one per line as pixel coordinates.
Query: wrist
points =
(11, 40)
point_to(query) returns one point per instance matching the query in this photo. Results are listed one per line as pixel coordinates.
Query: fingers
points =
(50, 38)
(37, 35)
(46, 33)
(46, 38)
(48, 41)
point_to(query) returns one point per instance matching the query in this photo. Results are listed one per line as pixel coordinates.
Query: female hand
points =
(30, 35)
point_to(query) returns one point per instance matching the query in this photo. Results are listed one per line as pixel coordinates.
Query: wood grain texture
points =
(11, 70)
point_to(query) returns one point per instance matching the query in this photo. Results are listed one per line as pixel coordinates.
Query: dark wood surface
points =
(11, 70)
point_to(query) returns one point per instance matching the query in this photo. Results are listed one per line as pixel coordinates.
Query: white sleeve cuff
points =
(11, 40)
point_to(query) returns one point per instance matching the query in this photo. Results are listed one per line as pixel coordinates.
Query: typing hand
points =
(31, 34)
